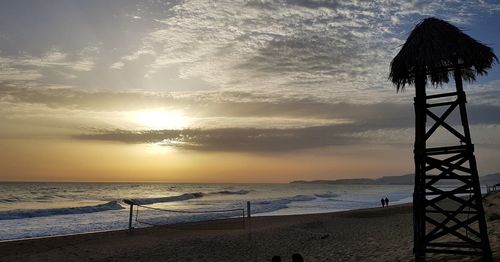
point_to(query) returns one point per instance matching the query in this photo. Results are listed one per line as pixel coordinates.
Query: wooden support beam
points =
(446, 125)
(452, 216)
(446, 150)
(447, 194)
(447, 173)
(439, 164)
(447, 103)
(453, 230)
(441, 95)
(450, 211)
(443, 117)
(450, 244)
(450, 159)
(453, 252)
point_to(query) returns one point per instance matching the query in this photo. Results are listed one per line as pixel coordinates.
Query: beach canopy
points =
(435, 48)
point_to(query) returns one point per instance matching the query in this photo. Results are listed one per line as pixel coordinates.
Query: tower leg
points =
(476, 187)
(419, 156)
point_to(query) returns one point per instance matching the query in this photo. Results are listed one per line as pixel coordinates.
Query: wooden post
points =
(248, 210)
(419, 158)
(485, 242)
(129, 202)
(130, 217)
(249, 223)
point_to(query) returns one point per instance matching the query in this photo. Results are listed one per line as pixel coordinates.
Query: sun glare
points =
(157, 120)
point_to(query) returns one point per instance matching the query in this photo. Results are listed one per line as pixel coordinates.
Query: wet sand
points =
(377, 234)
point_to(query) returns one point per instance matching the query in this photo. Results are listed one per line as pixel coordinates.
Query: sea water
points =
(47, 209)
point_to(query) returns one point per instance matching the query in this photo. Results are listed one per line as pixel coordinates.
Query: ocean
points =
(46, 209)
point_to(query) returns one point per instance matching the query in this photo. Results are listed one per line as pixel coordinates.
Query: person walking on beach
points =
(383, 202)
(386, 202)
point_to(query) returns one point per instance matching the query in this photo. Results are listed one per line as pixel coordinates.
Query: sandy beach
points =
(377, 234)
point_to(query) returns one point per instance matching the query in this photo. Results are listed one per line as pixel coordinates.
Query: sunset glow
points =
(235, 91)
(156, 120)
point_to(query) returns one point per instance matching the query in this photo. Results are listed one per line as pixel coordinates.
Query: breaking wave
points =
(28, 213)
(277, 204)
(183, 197)
(227, 192)
(327, 195)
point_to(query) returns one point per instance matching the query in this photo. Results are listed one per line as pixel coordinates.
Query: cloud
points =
(380, 129)
(117, 65)
(9, 74)
(294, 122)
(54, 58)
(381, 123)
(338, 50)
(234, 139)
(290, 44)
(237, 103)
(53, 68)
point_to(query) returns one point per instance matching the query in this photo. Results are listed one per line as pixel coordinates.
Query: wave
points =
(277, 204)
(43, 198)
(183, 197)
(327, 195)
(186, 196)
(227, 192)
(29, 213)
(257, 206)
(34, 198)
(353, 201)
(111, 205)
(9, 200)
(262, 206)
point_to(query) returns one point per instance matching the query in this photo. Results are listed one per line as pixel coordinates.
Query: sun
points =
(160, 119)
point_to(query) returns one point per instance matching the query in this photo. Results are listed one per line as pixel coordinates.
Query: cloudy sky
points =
(221, 91)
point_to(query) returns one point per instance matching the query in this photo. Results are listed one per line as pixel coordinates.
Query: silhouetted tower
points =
(446, 219)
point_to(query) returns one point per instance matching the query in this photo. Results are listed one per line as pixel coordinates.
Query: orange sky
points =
(195, 91)
(90, 161)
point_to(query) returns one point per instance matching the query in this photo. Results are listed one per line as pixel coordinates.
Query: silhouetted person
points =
(276, 259)
(383, 202)
(297, 258)
(386, 202)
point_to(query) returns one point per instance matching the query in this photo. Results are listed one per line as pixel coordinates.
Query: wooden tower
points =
(447, 219)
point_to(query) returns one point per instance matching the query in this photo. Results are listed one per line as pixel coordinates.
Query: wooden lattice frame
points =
(462, 228)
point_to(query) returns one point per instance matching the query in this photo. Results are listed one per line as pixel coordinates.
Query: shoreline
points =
(265, 214)
(371, 234)
(121, 245)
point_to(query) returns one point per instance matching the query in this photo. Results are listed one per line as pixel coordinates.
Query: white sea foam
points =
(42, 209)
(327, 195)
(29, 213)
(183, 197)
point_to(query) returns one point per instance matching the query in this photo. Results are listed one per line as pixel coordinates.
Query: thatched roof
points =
(434, 48)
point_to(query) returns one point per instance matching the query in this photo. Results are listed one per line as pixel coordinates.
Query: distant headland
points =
(390, 180)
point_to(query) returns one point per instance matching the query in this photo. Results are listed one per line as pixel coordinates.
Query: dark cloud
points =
(236, 139)
(239, 104)
(366, 118)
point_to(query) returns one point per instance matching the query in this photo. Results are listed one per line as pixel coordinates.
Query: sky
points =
(222, 91)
